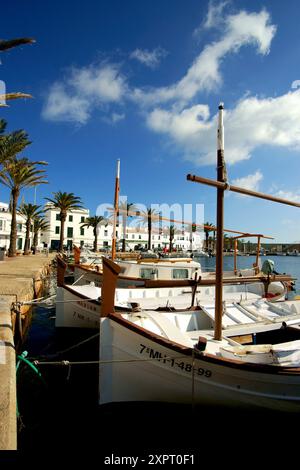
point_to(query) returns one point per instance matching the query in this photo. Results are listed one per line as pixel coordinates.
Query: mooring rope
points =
(100, 362)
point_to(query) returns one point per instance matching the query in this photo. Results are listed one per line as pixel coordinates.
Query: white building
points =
(136, 236)
(74, 232)
(5, 227)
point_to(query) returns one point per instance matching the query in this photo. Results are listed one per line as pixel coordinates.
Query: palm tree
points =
(124, 209)
(65, 202)
(11, 144)
(172, 232)
(12, 96)
(148, 215)
(17, 174)
(29, 212)
(226, 242)
(10, 43)
(191, 228)
(4, 46)
(94, 221)
(39, 224)
(207, 229)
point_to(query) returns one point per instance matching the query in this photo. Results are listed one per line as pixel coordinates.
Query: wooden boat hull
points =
(137, 365)
(73, 311)
(276, 290)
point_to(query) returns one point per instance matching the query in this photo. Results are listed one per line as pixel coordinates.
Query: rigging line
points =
(73, 347)
(116, 361)
(193, 379)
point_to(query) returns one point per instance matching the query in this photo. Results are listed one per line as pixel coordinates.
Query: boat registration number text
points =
(173, 361)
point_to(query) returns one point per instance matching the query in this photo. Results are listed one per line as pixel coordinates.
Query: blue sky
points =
(141, 81)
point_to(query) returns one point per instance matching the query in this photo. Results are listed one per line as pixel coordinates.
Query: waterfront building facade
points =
(136, 235)
(74, 233)
(5, 227)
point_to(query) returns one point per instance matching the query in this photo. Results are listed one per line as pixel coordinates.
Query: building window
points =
(19, 227)
(82, 219)
(57, 216)
(57, 230)
(70, 232)
(70, 218)
(2, 224)
(82, 231)
(105, 233)
(140, 237)
(105, 243)
(132, 236)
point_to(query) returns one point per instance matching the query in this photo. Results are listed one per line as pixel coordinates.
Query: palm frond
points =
(64, 201)
(12, 144)
(10, 43)
(14, 96)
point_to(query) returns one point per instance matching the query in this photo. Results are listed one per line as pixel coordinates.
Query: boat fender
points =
(201, 345)
(135, 307)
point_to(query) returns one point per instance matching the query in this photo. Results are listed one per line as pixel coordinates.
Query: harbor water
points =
(60, 411)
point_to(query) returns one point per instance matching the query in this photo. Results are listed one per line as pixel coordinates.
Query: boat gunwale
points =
(207, 357)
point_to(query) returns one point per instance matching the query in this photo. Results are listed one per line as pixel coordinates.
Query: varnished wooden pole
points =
(220, 232)
(116, 207)
(257, 251)
(109, 283)
(237, 189)
(235, 256)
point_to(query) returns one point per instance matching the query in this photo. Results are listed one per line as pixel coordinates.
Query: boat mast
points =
(221, 176)
(116, 207)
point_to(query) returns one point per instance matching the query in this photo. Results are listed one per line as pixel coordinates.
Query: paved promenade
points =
(20, 279)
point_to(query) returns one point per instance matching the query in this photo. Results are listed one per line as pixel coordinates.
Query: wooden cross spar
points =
(222, 185)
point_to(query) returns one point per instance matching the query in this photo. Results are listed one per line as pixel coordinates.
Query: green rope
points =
(22, 358)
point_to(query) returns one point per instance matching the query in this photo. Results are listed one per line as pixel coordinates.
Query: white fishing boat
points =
(134, 272)
(173, 356)
(78, 306)
(168, 357)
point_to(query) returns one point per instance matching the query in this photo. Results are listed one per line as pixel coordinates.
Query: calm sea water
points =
(61, 415)
(282, 264)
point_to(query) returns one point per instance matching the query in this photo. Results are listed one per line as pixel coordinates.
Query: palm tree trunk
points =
(124, 220)
(191, 239)
(27, 238)
(149, 231)
(35, 239)
(95, 239)
(62, 231)
(13, 231)
(206, 240)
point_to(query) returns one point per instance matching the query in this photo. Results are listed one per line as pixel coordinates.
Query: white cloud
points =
(290, 195)
(104, 83)
(87, 88)
(214, 17)
(114, 118)
(84, 89)
(149, 58)
(204, 74)
(61, 106)
(250, 181)
(254, 122)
